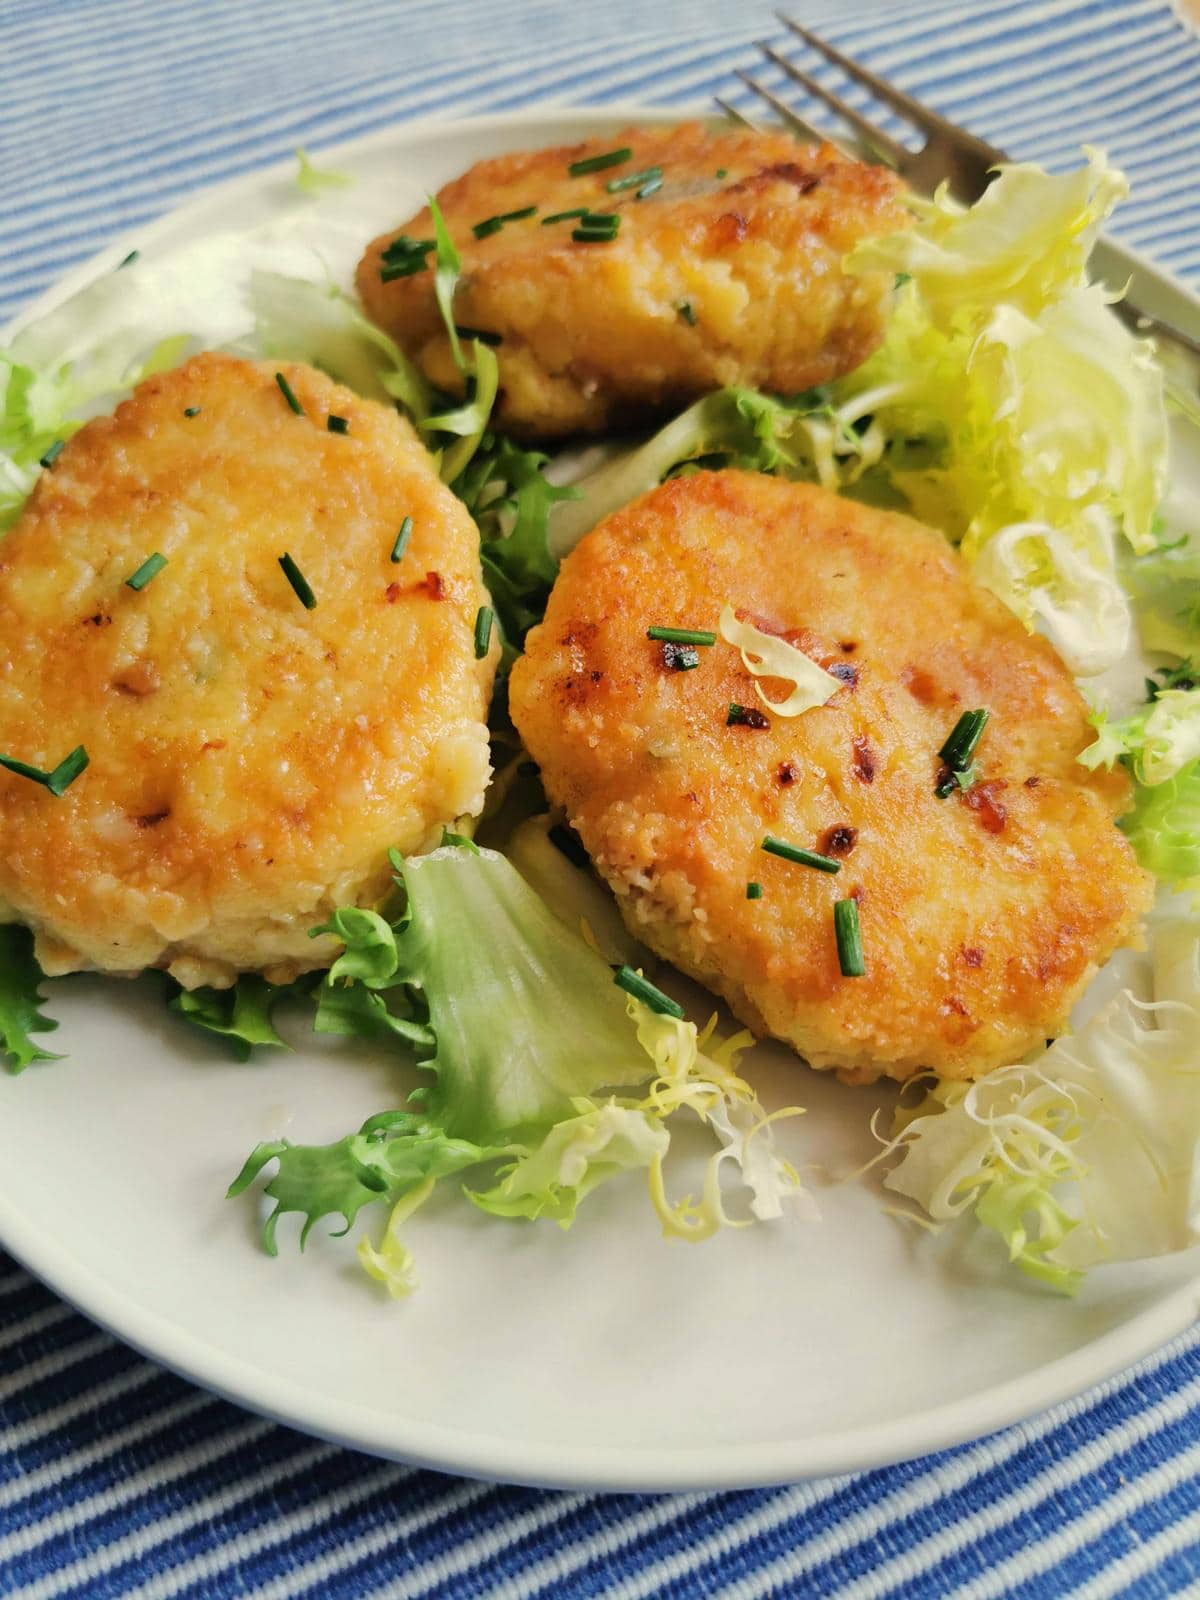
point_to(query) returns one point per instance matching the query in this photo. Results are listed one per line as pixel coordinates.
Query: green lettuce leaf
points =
(241, 1014)
(1157, 741)
(506, 491)
(1164, 828)
(1088, 1153)
(20, 1001)
(540, 1071)
(296, 319)
(313, 180)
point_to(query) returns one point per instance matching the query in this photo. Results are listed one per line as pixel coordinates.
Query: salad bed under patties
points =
(988, 884)
(249, 603)
(619, 277)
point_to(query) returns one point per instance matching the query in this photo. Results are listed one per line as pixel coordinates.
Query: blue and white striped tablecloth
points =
(117, 1478)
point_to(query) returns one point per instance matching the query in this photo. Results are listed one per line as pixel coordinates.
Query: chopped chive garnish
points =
(632, 179)
(679, 657)
(58, 781)
(150, 568)
(337, 424)
(52, 455)
(481, 334)
(493, 224)
(682, 635)
(191, 411)
(298, 582)
(805, 858)
(849, 939)
(684, 309)
(649, 188)
(746, 717)
(24, 770)
(754, 891)
(67, 770)
(722, 172)
(958, 751)
(611, 158)
(901, 279)
(404, 256)
(129, 259)
(564, 216)
(289, 394)
(598, 227)
(401, 544)
(641, 989)
(483, 631)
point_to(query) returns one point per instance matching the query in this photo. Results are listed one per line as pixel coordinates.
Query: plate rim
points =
(597, 1468)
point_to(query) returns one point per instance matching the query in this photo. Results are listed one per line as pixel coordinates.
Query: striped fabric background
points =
(117, 1478)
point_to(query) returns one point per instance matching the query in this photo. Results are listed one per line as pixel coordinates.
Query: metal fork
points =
(948, 155)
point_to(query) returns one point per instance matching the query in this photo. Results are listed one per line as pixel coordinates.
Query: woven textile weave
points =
(117, 1478)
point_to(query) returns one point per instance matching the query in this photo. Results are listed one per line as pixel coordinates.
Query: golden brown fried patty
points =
(982, 915)
(728, 273)
(251, 761)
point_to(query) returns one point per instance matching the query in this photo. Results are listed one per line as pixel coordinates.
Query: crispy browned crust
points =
(983, 915)
(594, 337)
(251, 761)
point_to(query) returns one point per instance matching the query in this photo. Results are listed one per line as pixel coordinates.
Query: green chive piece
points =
(493, 224)
(24, 770)
(631, 181)
(483, 631)
(901, 279)
(481, 334)
(592, 231)
(337, 424)
(129, 259)
(722, 172)
(960, 746)
(52, 455)
(404, 256)
(805, 858)
(289, 394)
(681, 635)
(612, 158)
(298, 582)
(746, 717)
(647, 189)
(67, 770)
(59, 780)
(191, 411)
(402, 538)
(641, 989)
(849, 939)
(564, 216)
(754, 891)
(685, 310)
(150, 568)
(679, 657)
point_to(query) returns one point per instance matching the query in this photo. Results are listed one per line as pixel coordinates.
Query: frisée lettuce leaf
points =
(21, 1015)
(542, 1073)
(1087, 1154)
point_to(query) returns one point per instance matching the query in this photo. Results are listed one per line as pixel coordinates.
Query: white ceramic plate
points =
(605, 1357)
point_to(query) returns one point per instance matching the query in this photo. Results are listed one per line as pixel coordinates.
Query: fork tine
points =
(782, 109)
(732, 112)
(921, 116)
(893, 153)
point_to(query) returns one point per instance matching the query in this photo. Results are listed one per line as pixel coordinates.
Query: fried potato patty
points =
(730, 272)
(983, 915)
(250, 761)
